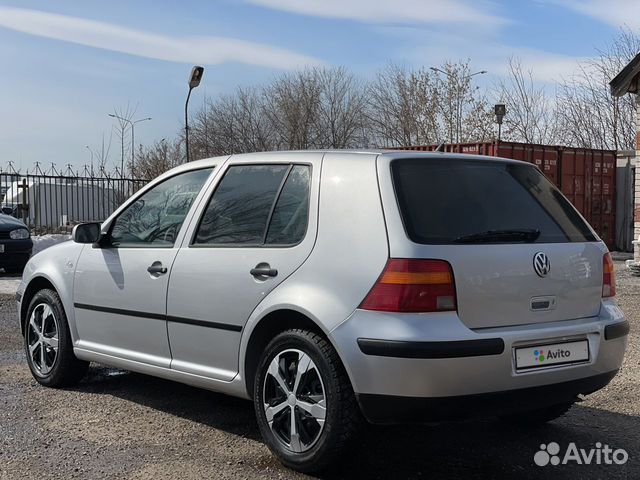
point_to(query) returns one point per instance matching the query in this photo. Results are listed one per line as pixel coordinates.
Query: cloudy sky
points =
(65, 65)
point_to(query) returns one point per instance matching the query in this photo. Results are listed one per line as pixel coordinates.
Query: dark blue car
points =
(15, 244)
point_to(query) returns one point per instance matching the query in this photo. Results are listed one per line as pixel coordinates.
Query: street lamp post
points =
(133, 143)
(194, 81)
(458, 99)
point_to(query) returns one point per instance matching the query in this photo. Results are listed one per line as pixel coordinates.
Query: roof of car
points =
(356, 152)
(277, 156)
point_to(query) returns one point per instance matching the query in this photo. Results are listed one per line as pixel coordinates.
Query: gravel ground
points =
(117, 424)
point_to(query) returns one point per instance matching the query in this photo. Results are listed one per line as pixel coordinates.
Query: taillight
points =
(408, 285)
(608, 277)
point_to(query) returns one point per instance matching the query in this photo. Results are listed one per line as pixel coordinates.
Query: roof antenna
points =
(440, 147)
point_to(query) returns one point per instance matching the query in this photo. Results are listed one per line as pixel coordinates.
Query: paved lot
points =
(124, 425)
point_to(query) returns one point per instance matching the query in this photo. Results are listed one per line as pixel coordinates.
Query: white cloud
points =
(485, 50)
(204, 49)
(544, 66)
(614, 12)
(391, 11)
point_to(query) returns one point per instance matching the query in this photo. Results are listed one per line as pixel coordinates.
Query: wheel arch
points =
(266, 328)
(36, 284)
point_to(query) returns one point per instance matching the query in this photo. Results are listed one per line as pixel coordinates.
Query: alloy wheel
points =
(294, 400)
(42, 338)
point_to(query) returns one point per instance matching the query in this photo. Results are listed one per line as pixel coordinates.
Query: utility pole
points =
(132, 124)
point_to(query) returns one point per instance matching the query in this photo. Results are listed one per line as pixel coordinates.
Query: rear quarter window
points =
(442, 201)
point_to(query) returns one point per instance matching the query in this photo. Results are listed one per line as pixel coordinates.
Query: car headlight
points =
(19, 234)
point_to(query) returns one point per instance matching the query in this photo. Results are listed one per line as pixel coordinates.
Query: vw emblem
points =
(541, 264)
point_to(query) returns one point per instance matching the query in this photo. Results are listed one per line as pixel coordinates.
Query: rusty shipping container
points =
(586, 176)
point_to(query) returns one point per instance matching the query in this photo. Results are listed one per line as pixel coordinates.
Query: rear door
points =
(520, 252)
(257, 227)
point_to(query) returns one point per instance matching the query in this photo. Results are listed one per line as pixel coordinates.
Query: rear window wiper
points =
(523, 235)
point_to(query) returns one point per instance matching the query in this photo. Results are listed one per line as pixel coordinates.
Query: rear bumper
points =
(386, 409)
(435, 356)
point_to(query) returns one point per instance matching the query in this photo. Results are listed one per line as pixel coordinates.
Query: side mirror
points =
(86, 232)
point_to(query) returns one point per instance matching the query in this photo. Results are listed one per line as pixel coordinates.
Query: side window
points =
(257, 204)
(239, 208)
(155, 218)
(290, 217)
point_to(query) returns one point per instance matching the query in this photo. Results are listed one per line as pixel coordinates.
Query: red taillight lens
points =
(413, 286)
(608, 277)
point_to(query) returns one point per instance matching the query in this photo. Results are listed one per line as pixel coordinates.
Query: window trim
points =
(194, 234)
(141, 193)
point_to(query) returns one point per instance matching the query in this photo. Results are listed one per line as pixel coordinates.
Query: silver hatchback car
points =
(334, 287)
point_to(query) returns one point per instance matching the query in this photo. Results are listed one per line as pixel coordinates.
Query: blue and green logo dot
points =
(539, 355)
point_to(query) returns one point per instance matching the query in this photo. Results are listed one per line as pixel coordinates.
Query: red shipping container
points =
(587, 177)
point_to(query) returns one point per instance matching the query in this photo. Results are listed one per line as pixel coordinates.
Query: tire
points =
(532, 418)
(61, 367)
(325, 384)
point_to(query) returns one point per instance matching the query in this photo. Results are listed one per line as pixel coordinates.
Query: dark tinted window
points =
(291, 214)
(239, 208)
(442, 201)
(155, 218)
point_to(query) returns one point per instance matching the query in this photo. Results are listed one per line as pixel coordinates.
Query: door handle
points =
(156, 268)
(263, 270)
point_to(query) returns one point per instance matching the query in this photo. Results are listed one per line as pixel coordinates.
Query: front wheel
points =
(47, 342)
(304, 402)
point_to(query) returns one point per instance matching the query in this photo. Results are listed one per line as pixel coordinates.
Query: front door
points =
(256, 229)
(120, 290)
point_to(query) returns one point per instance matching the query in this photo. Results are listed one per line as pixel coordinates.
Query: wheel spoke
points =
(44, 368)
(316, 410)
(32, 323)
(46, 314)
(33, 348)
(303, 365)
(272, 411)
(296, 444)
(274, 371)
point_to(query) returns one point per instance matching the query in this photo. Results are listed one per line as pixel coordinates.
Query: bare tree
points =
(291, 105)
(102, 155)
(402, 107)
(158, 158)
(587, 113)
(341, 118)
(417, 107)
(531, 113)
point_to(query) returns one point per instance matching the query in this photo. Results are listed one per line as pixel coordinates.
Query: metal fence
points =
(55, 203)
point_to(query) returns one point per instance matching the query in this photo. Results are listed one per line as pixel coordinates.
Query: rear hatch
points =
(519, 251)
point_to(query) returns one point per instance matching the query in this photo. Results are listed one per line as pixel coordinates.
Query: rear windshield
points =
(449, 201)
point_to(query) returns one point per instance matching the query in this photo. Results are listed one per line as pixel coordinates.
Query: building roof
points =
(627, 80)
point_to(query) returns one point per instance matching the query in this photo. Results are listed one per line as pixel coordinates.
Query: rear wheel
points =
(306, 408)
(538, 416)
(48, 344)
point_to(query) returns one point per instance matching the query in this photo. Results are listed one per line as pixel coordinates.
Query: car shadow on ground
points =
(473, 449)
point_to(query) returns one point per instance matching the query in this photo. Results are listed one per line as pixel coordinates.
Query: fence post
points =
(25, 206)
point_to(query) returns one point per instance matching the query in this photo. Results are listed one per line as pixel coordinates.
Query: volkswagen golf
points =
(333, 288)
